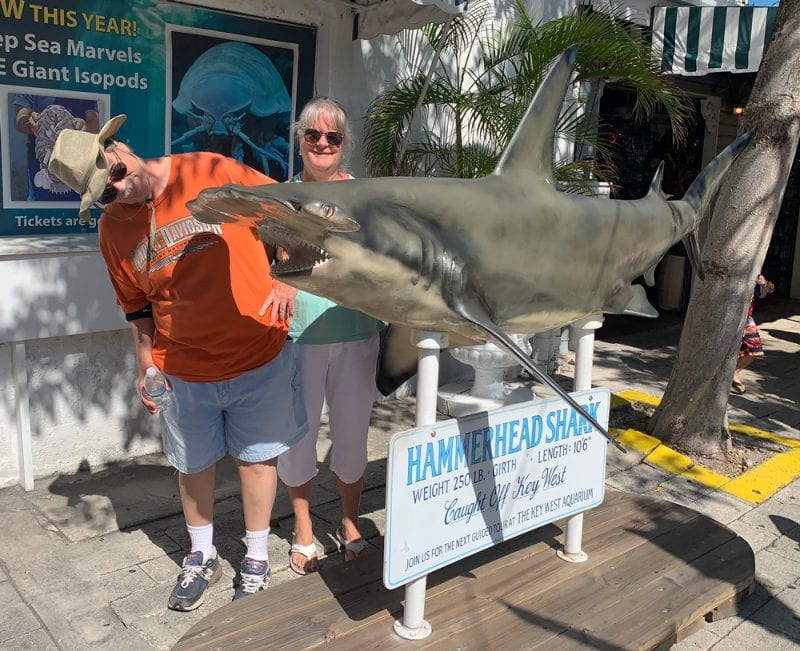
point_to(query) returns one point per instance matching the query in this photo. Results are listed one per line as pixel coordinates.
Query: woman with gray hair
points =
(337, 351)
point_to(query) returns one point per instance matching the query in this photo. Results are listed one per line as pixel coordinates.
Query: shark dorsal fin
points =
(658, 179)
(531, 147)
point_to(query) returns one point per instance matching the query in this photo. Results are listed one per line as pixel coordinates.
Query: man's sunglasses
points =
(334, 138)
(117, 172)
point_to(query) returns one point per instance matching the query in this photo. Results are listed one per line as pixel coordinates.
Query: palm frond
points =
(470, 112)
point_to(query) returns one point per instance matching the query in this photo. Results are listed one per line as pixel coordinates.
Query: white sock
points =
(257, 544)
(202, 539)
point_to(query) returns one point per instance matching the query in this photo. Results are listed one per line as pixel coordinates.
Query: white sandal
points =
(352, 548)
(309, 552)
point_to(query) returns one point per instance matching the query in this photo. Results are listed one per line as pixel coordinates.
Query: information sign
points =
(460, 486)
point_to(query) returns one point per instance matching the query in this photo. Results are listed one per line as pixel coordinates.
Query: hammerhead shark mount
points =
(476, 258)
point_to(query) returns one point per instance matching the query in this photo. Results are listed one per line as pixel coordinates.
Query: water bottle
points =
(155, 387)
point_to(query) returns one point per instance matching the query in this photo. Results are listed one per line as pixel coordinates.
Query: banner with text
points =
(460, 486)
(189, 79)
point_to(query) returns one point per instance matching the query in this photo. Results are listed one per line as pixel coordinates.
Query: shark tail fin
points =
(531, 147)
(705, 185)
(700, 192)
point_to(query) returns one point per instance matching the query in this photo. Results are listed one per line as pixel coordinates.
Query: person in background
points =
(751, 338)
(337, 350)
(32, 115)
(193, 294)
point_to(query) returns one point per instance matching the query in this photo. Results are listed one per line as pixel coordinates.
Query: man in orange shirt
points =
(192, 294)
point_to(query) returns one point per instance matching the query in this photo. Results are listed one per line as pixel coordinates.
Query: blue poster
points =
(189, 79)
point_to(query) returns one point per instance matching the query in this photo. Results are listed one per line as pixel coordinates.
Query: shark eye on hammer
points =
(320, 209)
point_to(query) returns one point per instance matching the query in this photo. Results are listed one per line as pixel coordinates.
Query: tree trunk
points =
(693, 412)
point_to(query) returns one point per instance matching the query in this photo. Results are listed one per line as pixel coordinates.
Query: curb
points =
(754, 486)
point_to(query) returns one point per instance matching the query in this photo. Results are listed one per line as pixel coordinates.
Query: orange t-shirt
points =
(205, 282)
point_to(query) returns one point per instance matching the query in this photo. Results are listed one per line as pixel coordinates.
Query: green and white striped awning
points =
(699, 40)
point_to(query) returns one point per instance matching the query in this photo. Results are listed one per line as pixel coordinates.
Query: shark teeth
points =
(294, 255)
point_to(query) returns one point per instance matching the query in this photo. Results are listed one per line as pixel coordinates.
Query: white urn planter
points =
(488, 390)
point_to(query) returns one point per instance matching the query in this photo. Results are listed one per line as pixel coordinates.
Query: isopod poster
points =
(189, 79)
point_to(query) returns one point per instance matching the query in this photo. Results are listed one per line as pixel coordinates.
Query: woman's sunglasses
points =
(334, 138)
(117, 172)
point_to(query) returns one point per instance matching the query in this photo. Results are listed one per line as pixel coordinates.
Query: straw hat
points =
(78, 160)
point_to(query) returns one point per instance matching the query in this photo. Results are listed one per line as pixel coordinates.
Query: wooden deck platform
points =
(656, 572)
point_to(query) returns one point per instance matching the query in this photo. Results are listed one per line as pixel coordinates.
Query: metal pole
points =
(429, 344)
(584, 358)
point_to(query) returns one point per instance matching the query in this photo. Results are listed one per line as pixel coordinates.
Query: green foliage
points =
(484, 81)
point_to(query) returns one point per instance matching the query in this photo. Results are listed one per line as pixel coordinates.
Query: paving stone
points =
(639, 479)
(118, 550)
(782, 613)
(683, 491)
(617, 461)
(39, 537)
(756, 536)
(163, 628)
(37, 640)
(163, 569)
(776, 571)
(13, 498)
(17, 619)
(700, 641)
(773, 515)
(87, 505)
(787, 545)
(98, 627)
(722, 507)
(74, 608)
(749, 635)
(789, 495)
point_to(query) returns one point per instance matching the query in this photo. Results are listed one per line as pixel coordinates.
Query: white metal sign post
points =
(583, 329)
(429, 345)
(459, 486)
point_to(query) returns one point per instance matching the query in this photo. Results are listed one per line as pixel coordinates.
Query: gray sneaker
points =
(253, 577)
(193, 580)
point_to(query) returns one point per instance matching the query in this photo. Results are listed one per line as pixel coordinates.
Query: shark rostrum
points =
(477, 258)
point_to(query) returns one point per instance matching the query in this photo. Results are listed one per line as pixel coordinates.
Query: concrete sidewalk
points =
(88, 560)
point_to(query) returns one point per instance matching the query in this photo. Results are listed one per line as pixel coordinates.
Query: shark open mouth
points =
(294, 255)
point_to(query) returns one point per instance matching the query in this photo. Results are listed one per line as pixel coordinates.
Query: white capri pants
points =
(343, 374)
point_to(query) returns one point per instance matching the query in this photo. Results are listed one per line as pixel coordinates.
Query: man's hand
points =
(281, 298)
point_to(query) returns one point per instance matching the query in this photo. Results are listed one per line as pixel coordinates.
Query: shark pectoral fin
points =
(397, 360)
(650, 275)
(693, 253)
(472, 310)
(631, 301)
